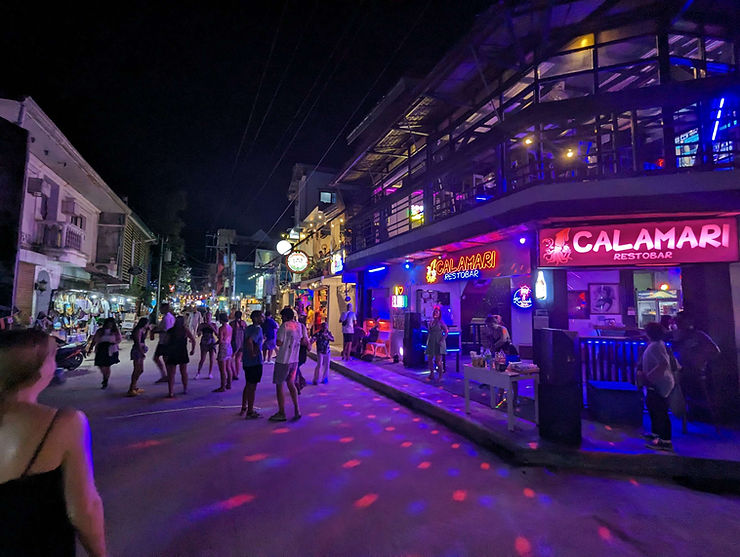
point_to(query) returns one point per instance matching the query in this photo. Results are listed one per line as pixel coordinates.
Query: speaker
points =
(560, 413)
(413, 353)
(411, 321)
(557, 353)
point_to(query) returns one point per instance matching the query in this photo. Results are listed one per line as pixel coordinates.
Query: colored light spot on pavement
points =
(529, 493)
(544, 499)
(351, 463)
(365, 452)
(366, 500)
(533, 445)
(522, 546)
(390, 428)
(435, 431)
(472, 452)
(281, 430)
(453, 472)
(255, 457)
(235, 501)
(396, 408)
(347, 405)
(424, 465)
(314, 415)
(406, 444)
(426, 451)
(391, 474)
(144, 444)
(416, 420)
(485, 501)
(275, 461)
(611, 443)
(633, 481)
(371, 416)
(605, 534)
(439, 401)
(503, 472)
(320, 514)
(608, 427)
(416, 507)
(459, 495)
(377, 399)
(346, 439)
(455, 445)
(485, 466)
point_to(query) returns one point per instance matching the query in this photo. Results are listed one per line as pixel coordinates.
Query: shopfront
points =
(606, 281)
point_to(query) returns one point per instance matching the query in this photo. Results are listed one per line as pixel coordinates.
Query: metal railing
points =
(59, 235)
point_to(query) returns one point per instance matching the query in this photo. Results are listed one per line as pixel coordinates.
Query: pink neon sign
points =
(644, 243)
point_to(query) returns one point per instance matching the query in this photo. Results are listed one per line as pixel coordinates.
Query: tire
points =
(76, 362)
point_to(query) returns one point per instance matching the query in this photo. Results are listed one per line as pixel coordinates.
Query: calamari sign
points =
(460, 268)
(654, 243)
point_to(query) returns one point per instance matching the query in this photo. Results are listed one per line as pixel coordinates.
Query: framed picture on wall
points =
(578, 304)
(603, 299)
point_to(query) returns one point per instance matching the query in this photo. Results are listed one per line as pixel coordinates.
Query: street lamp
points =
(283, 247)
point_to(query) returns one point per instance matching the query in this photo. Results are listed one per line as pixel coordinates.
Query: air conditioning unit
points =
(70, 206)
(107, 268)
(38, 187)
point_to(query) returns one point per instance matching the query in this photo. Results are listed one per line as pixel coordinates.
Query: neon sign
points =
(337, 262)
(463, 267)
(523, 297)
(399, 299)
(697, 241)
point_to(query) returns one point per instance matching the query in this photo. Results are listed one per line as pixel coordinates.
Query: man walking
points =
(252, 360)
(348, 320)
(166, 322)
(290, 335)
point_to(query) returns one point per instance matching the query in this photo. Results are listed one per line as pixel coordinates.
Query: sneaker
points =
(296, 417)
(659, 445)
(161, 380)
(649, 436)
(278, 417)
(132, 393)
(219, 390)
(253, 415)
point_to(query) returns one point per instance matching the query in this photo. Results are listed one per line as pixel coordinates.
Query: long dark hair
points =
(178, 330)
(111, 323)
(143, 322)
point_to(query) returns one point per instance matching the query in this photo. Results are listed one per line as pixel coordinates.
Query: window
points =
(328, 197)
(567, 63)
(78, 221)
(639, 48)
(719, 51)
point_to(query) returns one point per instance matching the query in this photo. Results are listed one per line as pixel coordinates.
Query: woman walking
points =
(177, 354)
(225, 353)
(436, 344)
(322, 338)
(47, 489)
(269, 331)
(106, 341)
(238, 326)
(207, 332)
(138, 353)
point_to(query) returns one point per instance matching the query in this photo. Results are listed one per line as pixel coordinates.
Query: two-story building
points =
(570, 164)
(78, 242)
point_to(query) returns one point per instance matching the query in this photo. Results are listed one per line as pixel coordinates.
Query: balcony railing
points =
(59, 235)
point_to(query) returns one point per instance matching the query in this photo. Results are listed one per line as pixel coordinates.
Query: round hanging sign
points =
(297, 261)
(523, 297)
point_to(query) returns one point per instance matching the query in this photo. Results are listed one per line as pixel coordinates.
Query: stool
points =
(375, 346)
(614, 402)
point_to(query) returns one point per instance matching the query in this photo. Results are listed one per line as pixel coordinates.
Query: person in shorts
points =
(165, 324)
(252, 362)
(238, 325)
(290, 335)
(348, 320)
(225, 352)
(269, 330)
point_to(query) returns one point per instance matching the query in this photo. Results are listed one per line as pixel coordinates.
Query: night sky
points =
(157, 96)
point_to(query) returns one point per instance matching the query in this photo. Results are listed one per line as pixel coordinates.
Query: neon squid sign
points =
(461, 268)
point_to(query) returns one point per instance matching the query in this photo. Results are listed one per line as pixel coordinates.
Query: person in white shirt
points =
(290, 336)
(656, 374)
(194, 319)
(348, 320)
(165, 324)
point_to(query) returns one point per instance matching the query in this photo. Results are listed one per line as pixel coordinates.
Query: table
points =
(502, 380)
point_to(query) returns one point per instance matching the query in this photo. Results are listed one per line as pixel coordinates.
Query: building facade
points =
(569, 165)
(72, 231)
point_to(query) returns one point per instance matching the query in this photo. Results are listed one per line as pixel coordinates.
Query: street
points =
(357, 475)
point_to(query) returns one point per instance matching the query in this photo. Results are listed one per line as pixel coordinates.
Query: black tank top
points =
(33, 513)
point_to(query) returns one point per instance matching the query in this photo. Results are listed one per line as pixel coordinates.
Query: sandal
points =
(253, 415)
(219, 390)
(278, 417)
(243, 411)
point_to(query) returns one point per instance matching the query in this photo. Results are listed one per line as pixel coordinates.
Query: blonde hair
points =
(22, 353)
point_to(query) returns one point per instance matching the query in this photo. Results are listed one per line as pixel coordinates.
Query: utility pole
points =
(159, 279)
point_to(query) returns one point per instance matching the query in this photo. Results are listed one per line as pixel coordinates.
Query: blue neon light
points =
(377, 269)
(719, 115)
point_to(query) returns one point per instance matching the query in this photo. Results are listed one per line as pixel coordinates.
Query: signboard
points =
(399, 298)
(523, 297)
(460, 267)
(297, 261)
(644, 243)
(265, 258)
(337, 262)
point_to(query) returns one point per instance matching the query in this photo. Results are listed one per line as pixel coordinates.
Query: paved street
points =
(357, 475)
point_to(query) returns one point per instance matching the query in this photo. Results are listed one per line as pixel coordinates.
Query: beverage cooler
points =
(653, 304)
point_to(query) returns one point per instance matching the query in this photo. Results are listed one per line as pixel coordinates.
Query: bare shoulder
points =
(73, 424)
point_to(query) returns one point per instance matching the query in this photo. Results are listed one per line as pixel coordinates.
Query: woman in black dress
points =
(176, 354)
(207, 331)
(106, 341)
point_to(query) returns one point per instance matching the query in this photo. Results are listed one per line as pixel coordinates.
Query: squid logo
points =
(432, 272)
(557, 251)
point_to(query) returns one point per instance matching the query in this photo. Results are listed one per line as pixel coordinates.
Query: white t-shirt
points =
(289, 335)
(348, 319)
(165, 324)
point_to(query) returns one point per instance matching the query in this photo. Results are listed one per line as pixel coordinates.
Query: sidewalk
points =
(702, 454)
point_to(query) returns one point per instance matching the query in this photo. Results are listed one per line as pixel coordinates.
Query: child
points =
(323, 353)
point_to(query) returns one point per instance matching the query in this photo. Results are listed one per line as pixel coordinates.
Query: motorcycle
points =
(70, 356)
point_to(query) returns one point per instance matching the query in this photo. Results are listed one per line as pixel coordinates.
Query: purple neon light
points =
(716, 122)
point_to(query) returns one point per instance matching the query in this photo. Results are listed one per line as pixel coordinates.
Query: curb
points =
(671, 466)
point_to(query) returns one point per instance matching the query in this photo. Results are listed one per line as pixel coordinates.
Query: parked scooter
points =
(70, 356)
